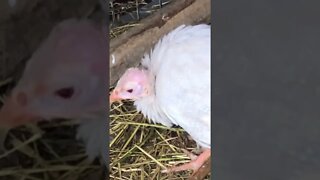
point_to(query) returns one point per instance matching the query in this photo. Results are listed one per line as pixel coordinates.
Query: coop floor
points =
(140, 149)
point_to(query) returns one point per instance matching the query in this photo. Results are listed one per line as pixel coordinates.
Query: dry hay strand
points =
(133, 10)
(116, 31)
(140, 149)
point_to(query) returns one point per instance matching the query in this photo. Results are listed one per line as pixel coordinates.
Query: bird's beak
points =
(114, 97)
(13, 114)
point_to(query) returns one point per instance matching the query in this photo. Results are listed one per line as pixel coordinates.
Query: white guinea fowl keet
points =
(65, 78)
(173, 86)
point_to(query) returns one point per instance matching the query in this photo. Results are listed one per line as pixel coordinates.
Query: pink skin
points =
(14, 113)
(136, 84)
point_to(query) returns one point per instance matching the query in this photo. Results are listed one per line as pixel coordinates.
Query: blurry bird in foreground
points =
(65, 78)
(173, 86)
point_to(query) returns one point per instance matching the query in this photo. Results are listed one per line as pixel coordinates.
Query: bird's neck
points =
(148, 104)
(150, 85)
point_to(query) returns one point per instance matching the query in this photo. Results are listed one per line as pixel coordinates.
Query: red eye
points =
(65, 93)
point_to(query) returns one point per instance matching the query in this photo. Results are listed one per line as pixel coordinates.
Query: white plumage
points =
(94, 134)
(180, 64)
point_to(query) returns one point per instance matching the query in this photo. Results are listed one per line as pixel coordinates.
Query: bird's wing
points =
(183, 83)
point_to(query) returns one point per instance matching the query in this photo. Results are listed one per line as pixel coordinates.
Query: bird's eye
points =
(65, 93)
(130, 90)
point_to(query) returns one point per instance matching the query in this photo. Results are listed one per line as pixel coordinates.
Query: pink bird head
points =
(65, 77)
(134, 84)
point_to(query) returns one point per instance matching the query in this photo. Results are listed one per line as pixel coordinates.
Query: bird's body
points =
(180, 66)
(65, 78)
(173, 85)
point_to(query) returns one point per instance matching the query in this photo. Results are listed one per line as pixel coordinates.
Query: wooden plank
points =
(128, 49)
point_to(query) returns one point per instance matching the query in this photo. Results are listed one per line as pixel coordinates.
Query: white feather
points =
(180, 66)
(93, 132)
